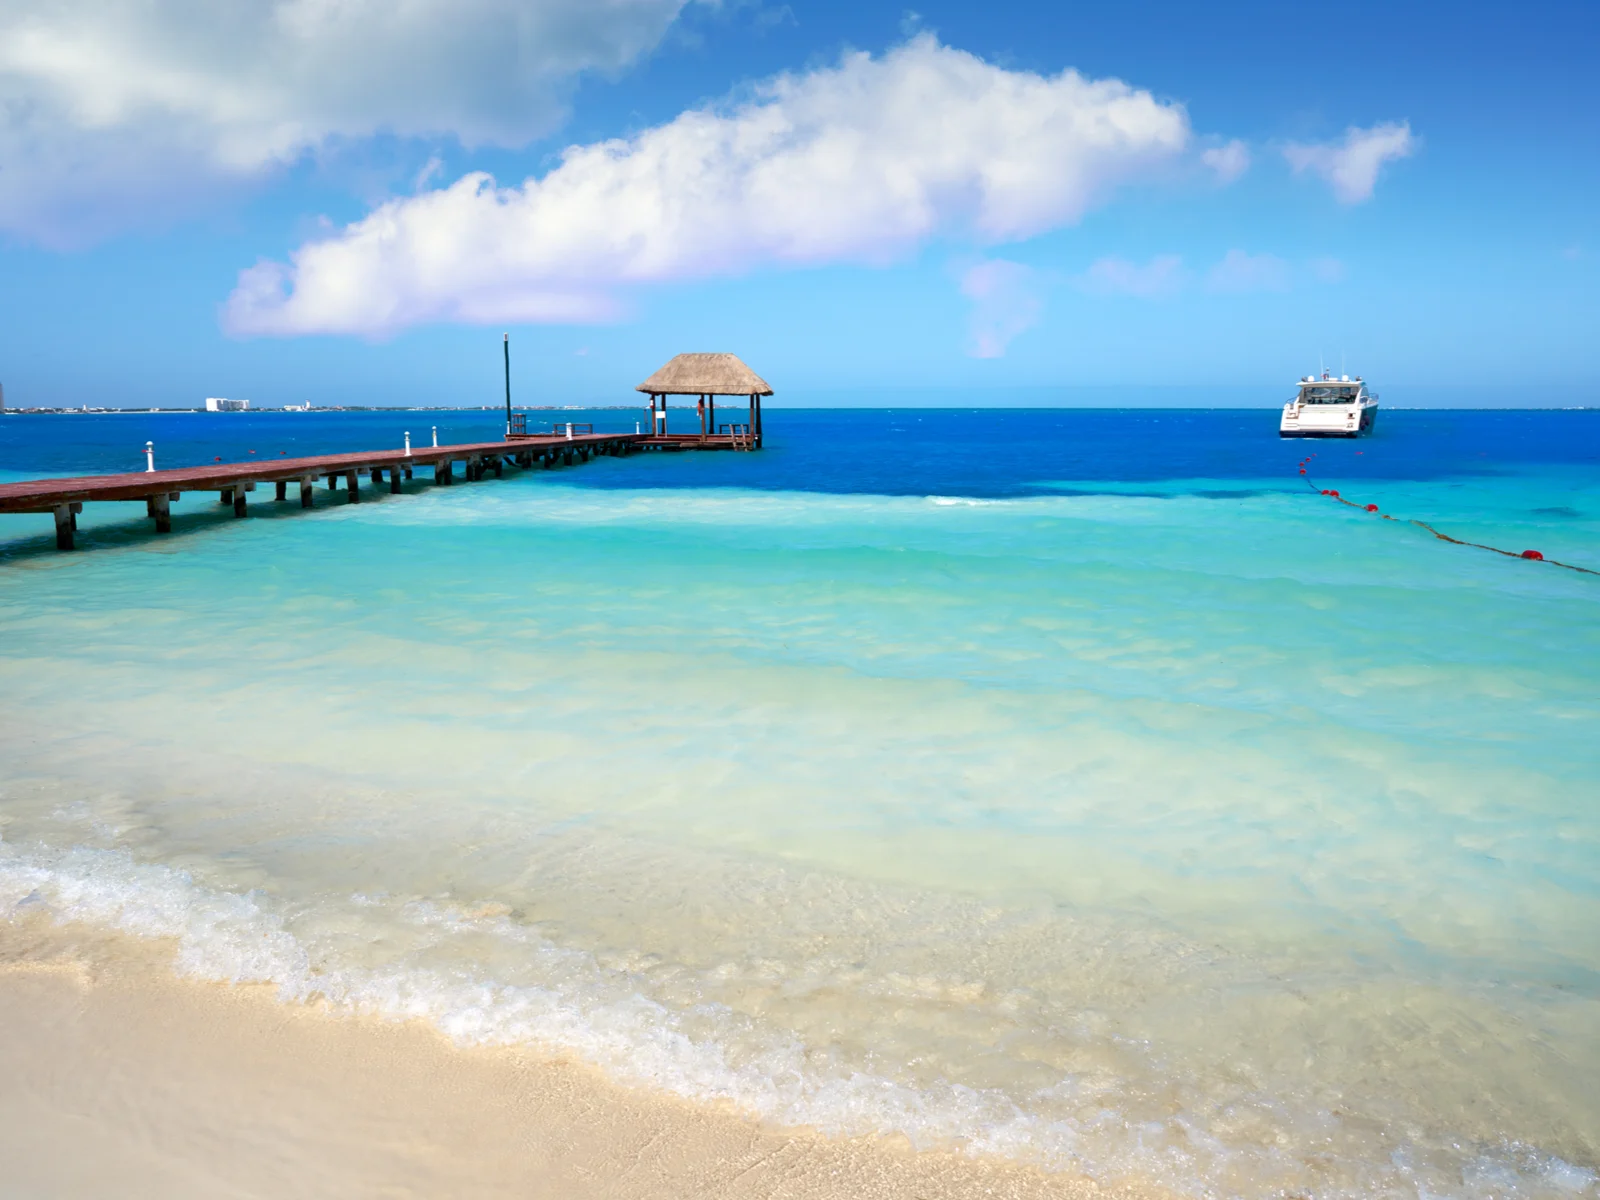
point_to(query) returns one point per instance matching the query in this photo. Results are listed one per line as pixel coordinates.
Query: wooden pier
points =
(233, 482)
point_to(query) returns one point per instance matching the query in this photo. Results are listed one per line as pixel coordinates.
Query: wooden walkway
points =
(235, 481)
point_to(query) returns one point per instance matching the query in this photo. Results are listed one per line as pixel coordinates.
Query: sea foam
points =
(605, 1017)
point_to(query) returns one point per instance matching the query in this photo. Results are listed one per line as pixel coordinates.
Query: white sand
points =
(117, 1078)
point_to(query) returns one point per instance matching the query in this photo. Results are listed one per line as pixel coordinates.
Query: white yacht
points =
(1329, 407)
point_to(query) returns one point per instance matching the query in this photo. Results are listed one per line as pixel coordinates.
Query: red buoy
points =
(1372, 508)
(1534, 554)
(1302, 470)
(1334, 493)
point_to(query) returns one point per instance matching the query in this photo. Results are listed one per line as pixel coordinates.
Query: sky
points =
(349, 201)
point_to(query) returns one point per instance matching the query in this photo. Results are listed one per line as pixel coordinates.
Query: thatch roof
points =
(705, 375)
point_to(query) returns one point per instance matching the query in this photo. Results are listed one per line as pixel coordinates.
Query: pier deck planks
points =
(66, 497)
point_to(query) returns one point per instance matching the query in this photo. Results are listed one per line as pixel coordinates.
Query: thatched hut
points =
(707, 376)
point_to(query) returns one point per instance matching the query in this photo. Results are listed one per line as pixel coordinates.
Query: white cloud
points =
(1006, 301)
(1162, 276)
(1241, 272)
(1328, 270)
(110, 109)
(862, 162)
(1351, 166)
(1229, 161)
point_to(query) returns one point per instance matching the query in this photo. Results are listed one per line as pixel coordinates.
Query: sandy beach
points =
(120, 1078)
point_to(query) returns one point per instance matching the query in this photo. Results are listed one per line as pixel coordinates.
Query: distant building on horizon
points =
(219, 404)
(2, 397)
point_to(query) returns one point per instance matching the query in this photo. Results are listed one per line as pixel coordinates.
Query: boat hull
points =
(1335, 423)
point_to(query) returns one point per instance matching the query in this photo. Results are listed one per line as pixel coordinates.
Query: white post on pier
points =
(408, 443)
(569, 431)
(435, 435)
(149, 457)
(636, 427)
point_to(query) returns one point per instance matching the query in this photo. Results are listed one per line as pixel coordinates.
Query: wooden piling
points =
(160, 507)
(64, 527)
(352, 484)
(307, 492)
(283, 490)
(239, 504)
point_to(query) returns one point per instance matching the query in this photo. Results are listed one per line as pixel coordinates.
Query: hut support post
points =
(757, 429)
(352, 486)
(161, 510)
(394, 481)
(306, 492)
(283, 490)
(241, 507)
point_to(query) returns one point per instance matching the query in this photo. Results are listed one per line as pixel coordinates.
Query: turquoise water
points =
(1147, 815)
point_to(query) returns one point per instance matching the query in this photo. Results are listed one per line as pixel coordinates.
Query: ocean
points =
(1080, 787)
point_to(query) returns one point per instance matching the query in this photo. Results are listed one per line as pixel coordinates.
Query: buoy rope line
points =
(1530, 555)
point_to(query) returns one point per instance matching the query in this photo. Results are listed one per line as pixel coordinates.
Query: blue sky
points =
(867, 203)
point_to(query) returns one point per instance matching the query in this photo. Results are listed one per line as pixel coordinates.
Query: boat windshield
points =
(1329, 394)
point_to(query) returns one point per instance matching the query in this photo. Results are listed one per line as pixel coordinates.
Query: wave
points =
(604, 1015)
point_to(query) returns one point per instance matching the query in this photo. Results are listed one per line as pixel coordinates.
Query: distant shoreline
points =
(1033, 408)
(330, 408)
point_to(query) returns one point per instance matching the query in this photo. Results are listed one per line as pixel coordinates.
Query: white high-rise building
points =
(220, 404)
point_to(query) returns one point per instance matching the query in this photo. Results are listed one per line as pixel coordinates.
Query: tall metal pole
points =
(506, 342)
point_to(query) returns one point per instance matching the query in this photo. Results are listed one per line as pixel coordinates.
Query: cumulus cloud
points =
(1006, 301)
(1242, 272)
(1351, 166)
(1229, 161)
(860, 162)
(109, 108)
(1162, 276)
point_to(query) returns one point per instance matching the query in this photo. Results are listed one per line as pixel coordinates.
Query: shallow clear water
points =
(1076, 787)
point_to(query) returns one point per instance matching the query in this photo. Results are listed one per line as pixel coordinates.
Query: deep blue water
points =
(981, 453)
